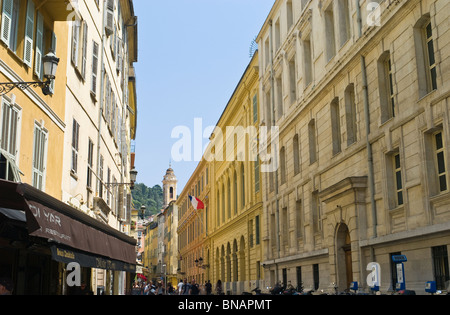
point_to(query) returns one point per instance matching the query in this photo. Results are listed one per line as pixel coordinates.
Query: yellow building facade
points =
(150, 258)
(193, 250)
(29, 31)
(223, 241)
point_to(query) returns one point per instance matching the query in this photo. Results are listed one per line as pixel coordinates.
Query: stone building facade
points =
(360, 93)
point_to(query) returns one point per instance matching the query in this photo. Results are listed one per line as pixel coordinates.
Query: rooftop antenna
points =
(253, 48)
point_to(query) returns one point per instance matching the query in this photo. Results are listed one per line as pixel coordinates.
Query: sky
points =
(191, 56)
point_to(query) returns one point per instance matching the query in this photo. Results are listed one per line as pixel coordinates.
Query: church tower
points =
(169, 187)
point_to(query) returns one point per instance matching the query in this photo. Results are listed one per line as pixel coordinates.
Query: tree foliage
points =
(150, 197)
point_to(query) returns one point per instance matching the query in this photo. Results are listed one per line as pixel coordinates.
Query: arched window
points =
(218, 209)
(235, 193)
(228, 198)
(223, 203)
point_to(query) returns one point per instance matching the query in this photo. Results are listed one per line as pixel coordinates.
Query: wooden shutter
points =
(53, 48)
(39, 157)
(109, 27)
(39, 46)
(29, 28)
(75, 137)
(94, 67)
(75, 40)
(119, 55)
(84, 51)
(6, 21)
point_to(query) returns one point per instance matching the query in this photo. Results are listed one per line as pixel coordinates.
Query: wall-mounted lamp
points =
(50, 62)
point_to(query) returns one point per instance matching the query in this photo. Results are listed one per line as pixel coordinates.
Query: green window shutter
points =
(39, 46)
(29, 28)
(6, 21)
(52, 84)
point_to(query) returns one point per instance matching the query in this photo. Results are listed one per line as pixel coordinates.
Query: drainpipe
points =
(272, 87)
(358, 17)
(369, 147)
(102, 74)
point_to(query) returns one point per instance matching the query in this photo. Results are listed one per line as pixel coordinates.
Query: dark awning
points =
(66, 255)
(55, 220)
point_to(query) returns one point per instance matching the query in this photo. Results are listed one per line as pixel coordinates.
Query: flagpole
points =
(201, 219)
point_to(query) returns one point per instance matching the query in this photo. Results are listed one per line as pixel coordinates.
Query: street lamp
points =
(50, 62)
(133, 176)
(199, 263)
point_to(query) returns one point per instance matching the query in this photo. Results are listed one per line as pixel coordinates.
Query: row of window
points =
(79, 54)
(110, 195)
(437, 169)
(424, 47)
(23, 31)
(200, 224)
(196, 190)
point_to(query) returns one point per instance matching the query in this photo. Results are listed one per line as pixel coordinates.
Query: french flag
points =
(196, 203)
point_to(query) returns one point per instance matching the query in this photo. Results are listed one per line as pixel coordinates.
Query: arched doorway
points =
(343, 257)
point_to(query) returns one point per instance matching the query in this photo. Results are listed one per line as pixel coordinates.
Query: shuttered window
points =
(29, 30)
(38, 67)
(7, 17)
(39, 156)
(53, 48)
(75, 139)
(90, 168)
(79, 46)
(9, 124)
(10, 22)
(94, 68)
(84, 50)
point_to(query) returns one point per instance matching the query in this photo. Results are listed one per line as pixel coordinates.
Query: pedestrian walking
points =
(208, 287)
(170, 290)
(160, 289)
(219, 287)
(194, 290)
(186, 287)
(180, 287)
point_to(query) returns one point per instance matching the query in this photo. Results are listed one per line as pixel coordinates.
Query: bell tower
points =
(169, 187)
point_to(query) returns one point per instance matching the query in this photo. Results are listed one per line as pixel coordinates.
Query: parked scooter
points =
(255, 291)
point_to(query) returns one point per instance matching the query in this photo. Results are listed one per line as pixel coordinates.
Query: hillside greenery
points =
(150, 197)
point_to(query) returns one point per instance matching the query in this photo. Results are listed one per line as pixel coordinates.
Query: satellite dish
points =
(253, 48)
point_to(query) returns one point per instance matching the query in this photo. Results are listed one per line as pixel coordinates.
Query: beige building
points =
(161, 237)
(360, 94)
(101, 118)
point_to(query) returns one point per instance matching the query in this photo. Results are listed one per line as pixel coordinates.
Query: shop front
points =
(45, 244)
